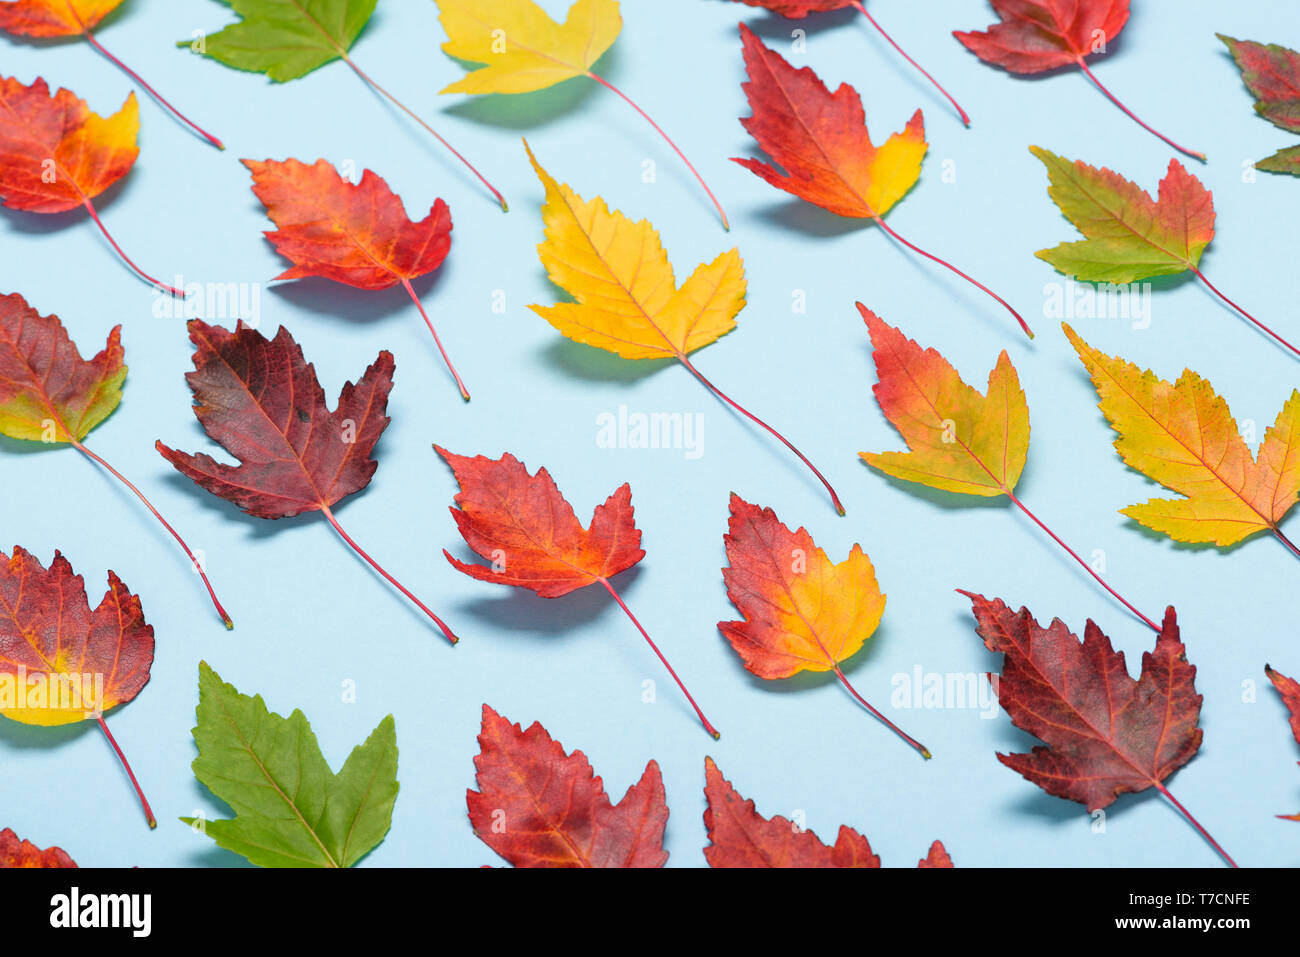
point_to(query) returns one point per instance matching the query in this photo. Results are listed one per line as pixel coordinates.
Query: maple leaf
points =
(1039, 35)
(1130, 236)
(1272, 74)
(959, 440)
(57, 19)
(741, 837)
(353, 233)
(56, 155)
(627, 300)
(260, 399)
(1289, 689)
(525, 527)
(63, 661)
(49, 394)
(538, 806)
(820, 140)
(802, 612)
(1183, 436)
(1104, 733)
(19, 853)
(798, 9)
(291, 809)
(523, 50)
(287, 39)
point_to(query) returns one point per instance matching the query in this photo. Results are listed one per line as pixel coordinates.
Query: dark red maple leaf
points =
(260, 399)
(1105, 732)
(741, 837)
(1039, 35)
(538, 806)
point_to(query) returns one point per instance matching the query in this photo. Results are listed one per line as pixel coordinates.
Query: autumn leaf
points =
(538, 806)
(287, 39)
(959, 440)
(1130, 236)
(802, 612)
(60, 19)
(1035, 36)
(353, 233)
(291, 809)
(821, 149)
(1104, 733)
(522, 50)
(797, 9)
(62, 662)
(1290, 692)
(529, 532)
(627, 300)
(741, 837)
(18, 853)
(1272, 74)
(1183, 436)
(260, 399)
(56, 155)
(49, 394)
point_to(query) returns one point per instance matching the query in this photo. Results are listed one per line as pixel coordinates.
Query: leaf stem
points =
(447, 632)
(1195, 823)
(171, 290)
(126, 765)
(1215, 289)
(1133, 116)
(1287, 542)
(655, 648)
(194, 562)
(957, 106)
(464, 393)
(835, 499)
(427, 128)
(947, 265)
(1086, 567)
(151, 91)
(726, 224)
(925, 752)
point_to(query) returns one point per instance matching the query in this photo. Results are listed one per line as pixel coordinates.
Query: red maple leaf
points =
(525, 528)
(353, 233)
(741, 837)
(260, 399)
(1289, 689)
(1038, 35)
(73, 663)
(1105, 732)
(538, 806)
(19, 853)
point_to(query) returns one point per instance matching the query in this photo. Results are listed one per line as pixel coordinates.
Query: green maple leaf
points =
(291, 810)
(286, 39)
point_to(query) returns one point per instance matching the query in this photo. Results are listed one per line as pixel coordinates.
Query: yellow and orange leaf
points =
(54, 18)
(1183, 436)
(959, 440)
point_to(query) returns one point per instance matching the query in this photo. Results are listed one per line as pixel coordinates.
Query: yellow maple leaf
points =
(628, 300)
(521, 47)
(1183, 435)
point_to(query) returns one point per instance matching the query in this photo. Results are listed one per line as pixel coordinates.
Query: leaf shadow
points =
(591, 364)
(323, 296)
(527, 615)
(949, 501)
(772, 26)
(25, 737)
(10, 446)
(526, 111)
(810, 219)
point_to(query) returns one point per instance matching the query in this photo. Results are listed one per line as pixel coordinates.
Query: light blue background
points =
(310, 616)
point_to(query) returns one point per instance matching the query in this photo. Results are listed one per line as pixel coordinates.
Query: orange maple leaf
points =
(56, 155)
